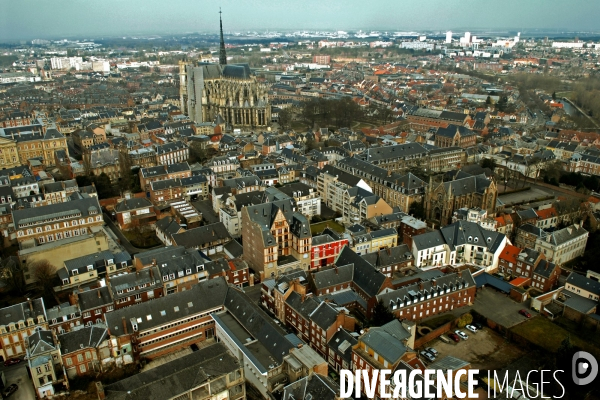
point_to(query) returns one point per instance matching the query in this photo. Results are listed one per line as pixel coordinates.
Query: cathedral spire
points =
(222, 54)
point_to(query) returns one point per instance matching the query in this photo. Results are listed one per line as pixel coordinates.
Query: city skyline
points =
(27, 19)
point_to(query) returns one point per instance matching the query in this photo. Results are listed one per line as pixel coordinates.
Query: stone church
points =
(464, 191)
(220, 92)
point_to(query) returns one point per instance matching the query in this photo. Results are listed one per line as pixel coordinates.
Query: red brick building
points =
(93, 303)
(430, 297)
(325, 249)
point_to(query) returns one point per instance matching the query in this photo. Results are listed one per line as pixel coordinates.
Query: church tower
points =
(222, 54)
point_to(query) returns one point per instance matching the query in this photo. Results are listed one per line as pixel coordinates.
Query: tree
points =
(285, 118)
(502, 104)
(126, 180)
(381, 314)
(488, 163)
(11, 273)
(197, 153)
(464, 320)
(417, 210)
(43, 273)
(103, 186)
(488, 101)
(554, 96)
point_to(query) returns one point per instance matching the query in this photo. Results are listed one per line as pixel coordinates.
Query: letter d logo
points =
(584, 368)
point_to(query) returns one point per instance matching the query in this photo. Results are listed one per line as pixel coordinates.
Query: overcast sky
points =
(27, 19)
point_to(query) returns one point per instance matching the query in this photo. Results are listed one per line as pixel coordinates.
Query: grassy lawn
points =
(143, 240)
(298, 126)
(436, 322)
(546, 334)
(316, 229)
(564, 94)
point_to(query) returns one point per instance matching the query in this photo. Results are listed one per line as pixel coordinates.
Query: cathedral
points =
(225, 93)
(465, 190)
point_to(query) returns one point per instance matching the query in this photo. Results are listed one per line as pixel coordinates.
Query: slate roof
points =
(200, 236)
(452, 130)
(561, 236)
(324, 316)
(97, 260)
(304, 308)
(387, 340)
(341, 343)
(133, 204)
(467, 185)
(583, 282)
(312, 387)
(40, 342)
(203, 296)
(21, 312)
(433, 286)
(258, 324)
(176, 377)
(81, 208)
(365, 276)
(94, 298)
(85, 338)
(466, 232)
(386, 153)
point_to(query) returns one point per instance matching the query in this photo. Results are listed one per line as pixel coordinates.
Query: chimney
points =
(100, 391)
(99, 294)
(30, 304)
(154, 261)
(124, 325)
(73, 298)
(151, 275)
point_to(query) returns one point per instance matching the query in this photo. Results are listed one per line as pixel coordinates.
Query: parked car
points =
(461, 334)
(445, 339)
(10, 389)
(427, 355)
(471, 328)
(477, 325)
(454, 337)
(432, 351)
(525, 313)
(11, 361)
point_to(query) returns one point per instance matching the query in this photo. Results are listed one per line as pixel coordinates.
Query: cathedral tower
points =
(222, 54)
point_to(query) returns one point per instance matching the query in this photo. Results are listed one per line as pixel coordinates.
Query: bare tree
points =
(43, 272)
(11, 273)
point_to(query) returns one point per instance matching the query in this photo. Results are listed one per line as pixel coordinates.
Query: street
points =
(18, 374)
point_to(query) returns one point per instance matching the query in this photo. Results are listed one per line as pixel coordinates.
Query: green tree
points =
(103, 186)
(488, 101)
(554, 96)
(464, 320)
(381, 314)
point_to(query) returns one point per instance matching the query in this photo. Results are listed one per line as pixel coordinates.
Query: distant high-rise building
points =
(449, 37)
(468, 37)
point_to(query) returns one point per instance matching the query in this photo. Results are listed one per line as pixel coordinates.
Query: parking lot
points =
(499, 308)
(484, 350)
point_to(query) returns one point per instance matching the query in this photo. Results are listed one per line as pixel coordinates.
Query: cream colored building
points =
(17, 323)
(59, 252)
(9, 157)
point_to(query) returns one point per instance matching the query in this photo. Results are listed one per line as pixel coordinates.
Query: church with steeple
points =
(220, 92)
